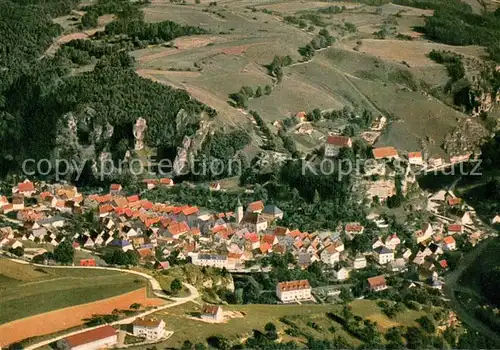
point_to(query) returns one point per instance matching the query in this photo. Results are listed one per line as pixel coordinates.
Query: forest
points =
(38, 93)
(454, 23)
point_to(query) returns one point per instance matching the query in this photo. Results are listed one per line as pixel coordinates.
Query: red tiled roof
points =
(280, 231)
(190, 211)
(256, 206)
(264, 247)
(412, 155)
(133, 198)
(294, 285)
(341, 141)
(454, 201)
(269, 239)
(115, 187)
(376, 281)
(455, 228)
(26, 186)
(210, 309)
(106, 208)
(449, 240)
(252, 237)
(166, 181)
(384, 152)
(91, 336)
(443, 263)
(354, 227)
(178, 228)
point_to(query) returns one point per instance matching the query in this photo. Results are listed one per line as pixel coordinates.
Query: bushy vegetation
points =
(452, 61)
(322, 40)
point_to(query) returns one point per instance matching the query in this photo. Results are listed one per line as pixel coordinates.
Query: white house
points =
(334, 143)
(392, 242)
(212, 313)
(377, 283)
(415, 158)
(214, 260)
(424, 233)
(341, 274)
(293, 290)
(449, 243)
(359, 262)
(330, 255)
(149, 328)
(383, 255)
(98, 338)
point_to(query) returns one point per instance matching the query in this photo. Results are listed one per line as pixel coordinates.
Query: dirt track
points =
(55, 321)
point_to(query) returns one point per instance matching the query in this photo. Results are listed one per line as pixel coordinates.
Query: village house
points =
(424, 233)
(214, 260)
(455, 228)
(26, 188)
(359, 262)
(17, 202)
(293, 291)
(334, 143)
(383, 255)
(385, 153)
(94, 339)
(115, 188)
(341, 273)
(448, 243)
(212, 313)
(354, 228)
(392, 242)
(397, 265)
(255, 207)
(377, 283)
(330, 255)
(271, 213)
(149, 328)
(254, 222)
(415, 158)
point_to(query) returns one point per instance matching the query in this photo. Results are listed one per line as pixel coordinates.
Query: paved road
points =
(450, 287)
(193, 294)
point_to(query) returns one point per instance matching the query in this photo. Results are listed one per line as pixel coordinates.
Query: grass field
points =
(26, 290)
(390, 76)
(256, 316)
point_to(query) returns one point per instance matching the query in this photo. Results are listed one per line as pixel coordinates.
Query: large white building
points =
(149, 328)
(98, 338)
(213, 260)
(293, 291)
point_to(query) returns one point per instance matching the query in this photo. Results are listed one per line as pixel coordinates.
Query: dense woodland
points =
(36, 92)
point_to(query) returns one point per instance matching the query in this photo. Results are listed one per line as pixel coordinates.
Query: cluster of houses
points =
(222, 240)
(148, 328)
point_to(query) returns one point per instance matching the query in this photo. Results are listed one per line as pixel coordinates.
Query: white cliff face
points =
(140, 128)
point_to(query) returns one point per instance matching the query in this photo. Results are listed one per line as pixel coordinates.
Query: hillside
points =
(26, 290)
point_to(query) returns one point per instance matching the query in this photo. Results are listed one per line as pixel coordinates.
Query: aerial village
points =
(37, 215)
(38, 212)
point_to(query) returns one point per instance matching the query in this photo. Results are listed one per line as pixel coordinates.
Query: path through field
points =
(10, 332)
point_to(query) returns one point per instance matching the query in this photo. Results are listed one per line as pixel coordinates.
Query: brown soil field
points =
(413, 52)
(167, 73)
(59, 320)
(295, 6)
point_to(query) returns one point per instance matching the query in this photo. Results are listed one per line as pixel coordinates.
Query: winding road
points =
(452, 285)
(155, 285)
